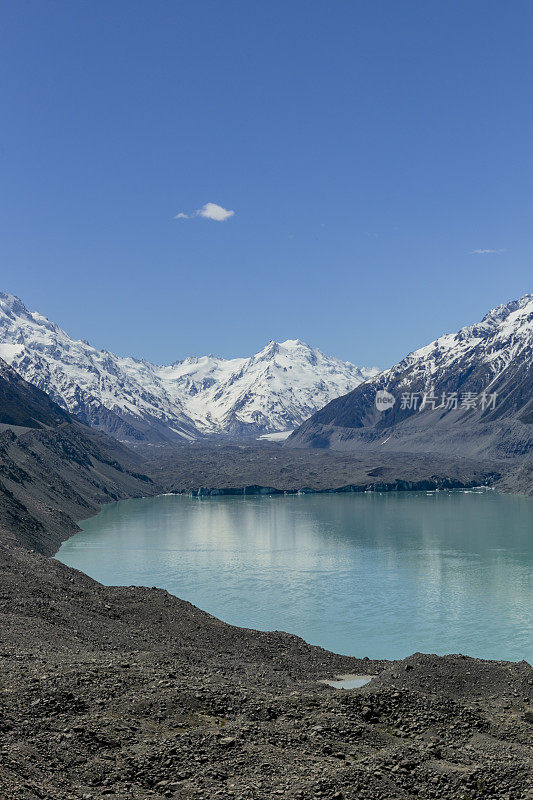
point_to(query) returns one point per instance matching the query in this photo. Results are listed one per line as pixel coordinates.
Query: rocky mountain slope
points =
(23, 405)
(468, 393)
(272, 391)
(55, 470)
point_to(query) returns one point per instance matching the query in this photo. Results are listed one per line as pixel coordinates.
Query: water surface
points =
(349, 681)
(378, 575)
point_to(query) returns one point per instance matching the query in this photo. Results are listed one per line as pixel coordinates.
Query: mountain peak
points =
(502, 311)
(13, 303)
(291, 343)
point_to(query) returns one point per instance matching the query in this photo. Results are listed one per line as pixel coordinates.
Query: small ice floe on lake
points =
(349, 681)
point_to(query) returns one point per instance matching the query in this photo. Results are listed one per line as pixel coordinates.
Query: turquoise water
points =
(378, 575)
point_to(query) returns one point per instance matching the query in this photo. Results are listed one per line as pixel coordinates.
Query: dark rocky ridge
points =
(132, 693)
(51, 478)
(25, 406)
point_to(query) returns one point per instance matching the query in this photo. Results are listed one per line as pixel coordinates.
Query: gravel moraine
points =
(133, 693)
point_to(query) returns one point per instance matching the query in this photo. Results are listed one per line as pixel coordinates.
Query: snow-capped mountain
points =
(468, 393)
(272, 391)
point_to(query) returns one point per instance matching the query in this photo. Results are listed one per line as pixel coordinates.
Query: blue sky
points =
(367, 149)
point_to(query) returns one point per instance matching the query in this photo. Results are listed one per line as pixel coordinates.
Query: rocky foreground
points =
(133, 693)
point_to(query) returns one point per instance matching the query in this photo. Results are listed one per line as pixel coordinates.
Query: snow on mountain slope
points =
(267, 392)
(478, 390)
(505, 333)
(274, 390)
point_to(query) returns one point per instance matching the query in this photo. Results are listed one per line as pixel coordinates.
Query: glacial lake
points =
(377, 575)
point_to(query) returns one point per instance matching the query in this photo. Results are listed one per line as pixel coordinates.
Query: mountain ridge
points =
(54, 469)
(134, 400)
(492, 358)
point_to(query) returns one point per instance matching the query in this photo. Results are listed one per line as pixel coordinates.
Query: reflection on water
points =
(379, 575)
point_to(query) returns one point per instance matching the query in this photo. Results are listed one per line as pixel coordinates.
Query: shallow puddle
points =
(349, 681)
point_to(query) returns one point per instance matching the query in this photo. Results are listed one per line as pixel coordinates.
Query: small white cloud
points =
(487, 251)
(208, 211)
(212, 211)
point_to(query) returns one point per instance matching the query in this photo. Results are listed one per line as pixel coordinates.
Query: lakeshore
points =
(131, 692)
